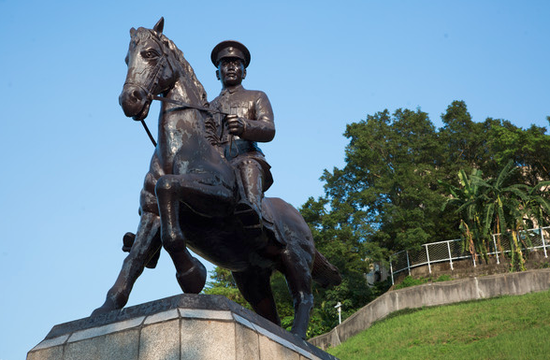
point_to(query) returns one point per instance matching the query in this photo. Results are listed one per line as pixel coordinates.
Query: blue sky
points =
(73, 164)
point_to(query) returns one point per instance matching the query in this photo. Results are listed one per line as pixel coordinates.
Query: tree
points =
(337, 236)
(222, 283)
(390, 193)
(537, 205)
(494, 205)
(468, 201)
(464, 141)
(490, 145)
(389, 182)
(529, 149)
(502, 210)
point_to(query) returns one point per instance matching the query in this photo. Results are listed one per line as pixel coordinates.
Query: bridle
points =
(152, 81)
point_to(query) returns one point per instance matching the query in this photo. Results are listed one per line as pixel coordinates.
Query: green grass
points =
(410, 281)
(510, 327)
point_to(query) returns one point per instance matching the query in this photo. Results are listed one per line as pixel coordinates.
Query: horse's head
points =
(150, 71)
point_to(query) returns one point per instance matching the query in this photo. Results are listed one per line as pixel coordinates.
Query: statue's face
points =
(231, 71)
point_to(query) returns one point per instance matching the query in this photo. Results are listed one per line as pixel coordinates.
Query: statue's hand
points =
(235, 124)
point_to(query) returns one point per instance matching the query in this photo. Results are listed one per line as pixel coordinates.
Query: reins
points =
(148, 132)
(183, 106)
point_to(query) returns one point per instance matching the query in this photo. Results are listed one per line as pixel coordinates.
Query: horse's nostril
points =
(136, 96)
(133, 100)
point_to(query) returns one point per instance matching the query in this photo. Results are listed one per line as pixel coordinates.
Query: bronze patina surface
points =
(204, 189)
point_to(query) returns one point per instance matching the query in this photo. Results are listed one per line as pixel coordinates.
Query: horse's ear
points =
(159, 26)
(132, 31)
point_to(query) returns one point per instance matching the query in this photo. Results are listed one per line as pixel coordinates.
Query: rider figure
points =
(250, 120)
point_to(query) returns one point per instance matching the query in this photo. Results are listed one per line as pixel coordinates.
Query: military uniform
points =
(254, 110)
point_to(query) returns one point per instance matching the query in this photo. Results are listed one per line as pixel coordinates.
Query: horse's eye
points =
(149, 54)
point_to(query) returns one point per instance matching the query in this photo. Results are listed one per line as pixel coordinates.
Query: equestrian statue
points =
(195, 193)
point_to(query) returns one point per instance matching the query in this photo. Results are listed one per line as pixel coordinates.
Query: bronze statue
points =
(191, 194)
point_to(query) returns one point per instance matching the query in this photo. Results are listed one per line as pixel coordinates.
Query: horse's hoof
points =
(299, 333)
(110, 304)
(101, 310)
(193, 280)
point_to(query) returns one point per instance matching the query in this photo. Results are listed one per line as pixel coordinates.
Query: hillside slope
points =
(510, 327)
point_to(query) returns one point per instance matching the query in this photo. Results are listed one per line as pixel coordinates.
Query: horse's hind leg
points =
(298, 277)
(145, 246)
(255, 286)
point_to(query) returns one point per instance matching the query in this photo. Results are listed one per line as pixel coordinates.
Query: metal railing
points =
(452, 250)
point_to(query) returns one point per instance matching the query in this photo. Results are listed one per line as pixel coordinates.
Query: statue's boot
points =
(251, 218)
(249, 208)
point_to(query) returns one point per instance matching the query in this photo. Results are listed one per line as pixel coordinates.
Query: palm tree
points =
(536, 209)
(468, 200)
(502, 210)
(537, 205)
(512, 208)
(494, 206)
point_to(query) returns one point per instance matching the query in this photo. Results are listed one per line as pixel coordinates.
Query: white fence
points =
(452, 250)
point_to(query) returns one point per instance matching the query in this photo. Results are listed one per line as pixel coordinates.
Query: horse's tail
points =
(324, 272)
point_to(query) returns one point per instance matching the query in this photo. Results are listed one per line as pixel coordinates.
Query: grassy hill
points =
(510, 327)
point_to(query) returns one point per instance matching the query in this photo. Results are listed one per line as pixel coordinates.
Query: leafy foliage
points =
(393, 192)
(495, 206)
(390, 194)
(222, 283)
(409, 281)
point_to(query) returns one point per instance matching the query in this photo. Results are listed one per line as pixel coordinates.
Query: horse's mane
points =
(180, 62)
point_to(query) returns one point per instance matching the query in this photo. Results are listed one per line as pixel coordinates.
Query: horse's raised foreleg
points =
(145, 246)
(255, 286)
(190, 273)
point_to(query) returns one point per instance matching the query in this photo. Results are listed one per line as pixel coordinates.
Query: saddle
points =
(272, 223)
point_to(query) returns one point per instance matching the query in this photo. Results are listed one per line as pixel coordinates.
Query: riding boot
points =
(249, 209)
(250, 217)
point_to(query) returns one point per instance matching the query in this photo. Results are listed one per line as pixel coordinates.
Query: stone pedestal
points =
(180, 327)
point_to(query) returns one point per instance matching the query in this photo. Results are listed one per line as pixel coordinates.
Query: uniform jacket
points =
(255, 109)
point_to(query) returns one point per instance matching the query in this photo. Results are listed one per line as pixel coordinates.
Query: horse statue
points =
(190, 193)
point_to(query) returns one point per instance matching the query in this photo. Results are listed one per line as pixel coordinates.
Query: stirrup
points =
(253, 231)
(248, 215)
